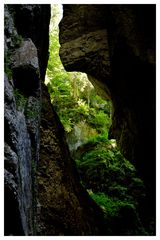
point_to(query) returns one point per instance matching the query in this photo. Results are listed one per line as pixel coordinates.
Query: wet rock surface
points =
(18, 165)
(19, 148)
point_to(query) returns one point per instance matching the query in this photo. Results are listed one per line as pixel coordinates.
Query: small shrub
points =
(99, 138)
(20, 99)
(120, 215)
(7, 64)
(103, 168)
(17, 40)
(110, 206)
(31, 113)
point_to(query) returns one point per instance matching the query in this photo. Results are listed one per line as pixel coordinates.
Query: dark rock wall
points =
(65, 208)
(42, 191)
(22, 120)
(115, 46)
(32, 21)
(25, 65)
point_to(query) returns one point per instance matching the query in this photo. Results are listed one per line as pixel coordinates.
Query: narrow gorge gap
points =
(108, 177)
(83, 113)
(64, 174)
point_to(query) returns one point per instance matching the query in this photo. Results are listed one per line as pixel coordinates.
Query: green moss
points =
(34, 166)
(113, 184)
(7, 63)
(110, 206)
(99, 138)
(20, 99)
(31, 113)
(17, 40)
(103, 167)
(120, 215)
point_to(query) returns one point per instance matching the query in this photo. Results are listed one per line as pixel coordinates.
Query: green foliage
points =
(113, 184)
(34, 166)
(31, 113)
(17, 40)
(72, 95)
(103, 169)
(7, 64)
(20, 99)
(99, 138)
(110, 206)
(100, 120)
(118, 213)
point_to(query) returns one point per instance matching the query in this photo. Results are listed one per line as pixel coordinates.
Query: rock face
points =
(22, 120)
(115, 46)
(22, 123)
(43, 195)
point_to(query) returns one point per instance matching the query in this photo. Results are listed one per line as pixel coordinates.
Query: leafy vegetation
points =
(110, 179)
(72, 95)
(121, 216)
(31, 113)
(103, 169)
(110, 205)
(16, 42)
(7, 64)
(20, 99)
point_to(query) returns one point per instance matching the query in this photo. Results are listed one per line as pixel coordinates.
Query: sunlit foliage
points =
(72, 95)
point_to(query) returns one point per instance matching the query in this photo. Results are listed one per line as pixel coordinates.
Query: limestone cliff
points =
(22, 120)
(115, 46)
